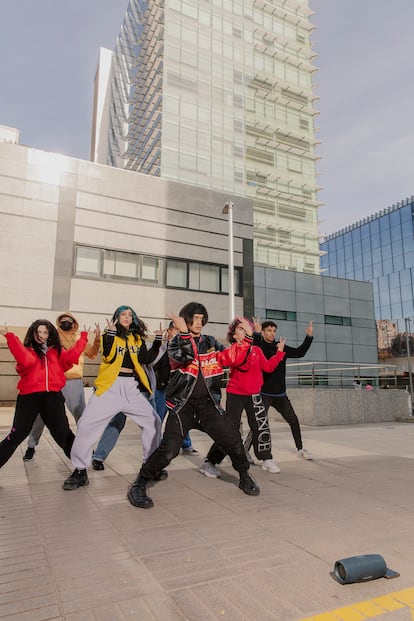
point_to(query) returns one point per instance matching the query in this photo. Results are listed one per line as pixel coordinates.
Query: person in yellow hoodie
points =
(73, 392)
(122, 385)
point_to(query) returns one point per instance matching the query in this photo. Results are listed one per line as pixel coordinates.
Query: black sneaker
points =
(97, 464)
(247, 485)
(29, 454)
(78, 478)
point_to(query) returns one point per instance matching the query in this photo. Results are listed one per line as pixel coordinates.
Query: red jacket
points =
(47, 375)
(247, 379)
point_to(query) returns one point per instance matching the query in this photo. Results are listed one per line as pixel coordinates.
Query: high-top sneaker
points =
(78, 478)
(247, 485)
(137, 494)
(29, 454)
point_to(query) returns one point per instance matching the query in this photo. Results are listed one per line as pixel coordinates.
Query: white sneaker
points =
(270, 466)
(209, 470)
(305, 454)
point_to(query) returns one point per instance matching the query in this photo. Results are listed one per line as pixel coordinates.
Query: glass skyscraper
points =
(218, 93)
(380, 249)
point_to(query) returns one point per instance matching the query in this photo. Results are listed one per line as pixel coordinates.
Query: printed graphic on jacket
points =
(210, 366)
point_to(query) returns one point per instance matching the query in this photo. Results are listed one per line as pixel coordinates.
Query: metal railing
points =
(343, 375)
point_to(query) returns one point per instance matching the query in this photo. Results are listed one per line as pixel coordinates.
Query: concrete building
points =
(219, 95)
(85, 237)
(380, 249)
(343, 317)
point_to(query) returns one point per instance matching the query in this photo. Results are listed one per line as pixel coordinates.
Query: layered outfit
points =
(274, 385)
(115, 392)
(162, 374)
(196, 363)
(72, 391)
(243, 393)
(113, 430)
(41, 381)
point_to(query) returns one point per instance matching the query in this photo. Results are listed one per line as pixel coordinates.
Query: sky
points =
(365, 84)
(49, 51)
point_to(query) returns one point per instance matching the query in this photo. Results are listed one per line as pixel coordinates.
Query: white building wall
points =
(50, 204)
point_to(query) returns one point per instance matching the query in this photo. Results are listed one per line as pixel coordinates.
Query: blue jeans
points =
(109, 437)
(161, 409)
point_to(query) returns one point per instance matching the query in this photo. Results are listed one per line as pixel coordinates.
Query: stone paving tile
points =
(181, 568)
(250, 604)
(263, 553)
(97, 600)
(45, 613)
(22, 566)
(163, 608)
(33, 603)
(264, 586)
(206, 551)
(192, 606)
(139, 609)
(218, 603)
(215, 531)
(23, 592)
(82, 615)
(162, 539)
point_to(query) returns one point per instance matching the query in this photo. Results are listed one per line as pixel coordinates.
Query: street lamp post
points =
(410, 375)
(228, 210)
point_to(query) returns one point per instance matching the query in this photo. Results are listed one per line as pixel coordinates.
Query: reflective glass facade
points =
(219, 94)
(380, 249)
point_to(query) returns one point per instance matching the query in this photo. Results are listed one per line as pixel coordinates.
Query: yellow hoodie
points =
(68, 339)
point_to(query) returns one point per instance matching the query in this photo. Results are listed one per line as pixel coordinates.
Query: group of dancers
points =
(180, 373)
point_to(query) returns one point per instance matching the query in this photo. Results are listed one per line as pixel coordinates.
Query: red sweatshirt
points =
(47, 375)
(248, 379)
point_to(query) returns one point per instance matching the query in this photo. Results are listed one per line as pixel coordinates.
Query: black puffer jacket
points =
(186, 358)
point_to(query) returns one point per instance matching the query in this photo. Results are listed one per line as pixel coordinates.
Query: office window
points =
(152, 269)
(281, 315)
(121, 265)
(176, 275)
(335, 320)
(204, 277)
(88, 261)
(224, 288)
(116, 265)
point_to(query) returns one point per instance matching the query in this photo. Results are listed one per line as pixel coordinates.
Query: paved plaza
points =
(206, 551)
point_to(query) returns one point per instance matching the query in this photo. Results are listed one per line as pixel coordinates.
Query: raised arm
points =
(70, 356)
(92, 350)
(268, 365)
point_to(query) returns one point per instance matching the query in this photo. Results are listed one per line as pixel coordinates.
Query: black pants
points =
(258, 423)
(51, 407)
(196, 414)
(285, 408)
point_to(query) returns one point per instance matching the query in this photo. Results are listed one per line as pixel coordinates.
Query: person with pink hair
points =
(243, 393)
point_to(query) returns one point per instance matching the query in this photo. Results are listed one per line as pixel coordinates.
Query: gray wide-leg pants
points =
(123, 396)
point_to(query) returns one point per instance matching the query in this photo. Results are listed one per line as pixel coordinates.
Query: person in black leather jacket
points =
(196, 360)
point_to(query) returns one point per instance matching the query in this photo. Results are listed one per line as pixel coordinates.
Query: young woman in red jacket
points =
(243, 393)
(41, 364)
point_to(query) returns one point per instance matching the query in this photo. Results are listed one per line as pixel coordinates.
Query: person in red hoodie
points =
(41, 364)
(243, 393)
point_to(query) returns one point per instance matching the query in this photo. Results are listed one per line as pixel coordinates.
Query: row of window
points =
(102, 264)
(333, 320)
